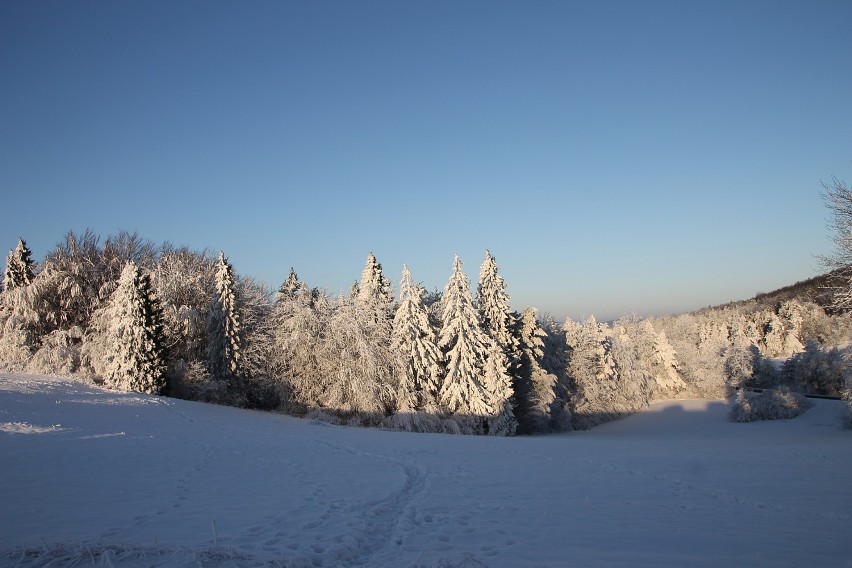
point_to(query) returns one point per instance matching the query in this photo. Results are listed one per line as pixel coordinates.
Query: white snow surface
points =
(94, 477)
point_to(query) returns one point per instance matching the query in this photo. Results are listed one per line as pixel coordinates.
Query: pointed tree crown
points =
(136, 335)
(493, 305)
(223, 324)
(414, 341)
(374, 291)
(19, 267)
(465, 348)
(290, 287)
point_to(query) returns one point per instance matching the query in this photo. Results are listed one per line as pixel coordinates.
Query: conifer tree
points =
(223, 323)
(374, 295)
(290, 287)
(498, 386)
(19, 267)
(536, 388)
(592, 371)
(136, 359)
(413, 339)
(465, 347)
(493, 306)
(663, 363)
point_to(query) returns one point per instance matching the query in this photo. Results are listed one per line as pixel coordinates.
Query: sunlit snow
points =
(93, 477)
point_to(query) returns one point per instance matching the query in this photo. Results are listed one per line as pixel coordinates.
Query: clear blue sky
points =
(615, 157)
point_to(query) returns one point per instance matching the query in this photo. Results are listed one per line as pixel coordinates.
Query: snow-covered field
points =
(92, 477)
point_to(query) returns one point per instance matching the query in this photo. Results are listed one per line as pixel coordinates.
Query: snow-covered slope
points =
(101, 478)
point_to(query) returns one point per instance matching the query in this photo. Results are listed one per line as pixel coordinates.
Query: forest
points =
(133, 315)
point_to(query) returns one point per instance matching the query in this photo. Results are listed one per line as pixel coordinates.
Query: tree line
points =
(135, 316)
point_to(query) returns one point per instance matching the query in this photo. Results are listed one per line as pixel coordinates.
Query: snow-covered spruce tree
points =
(554, 361)
(498, 385)
(414, 341)
(465, 347)
(223, 324)
(135, 357)
(492, 302)
(631, 372)
(19, 267)
(538, 401)
(16, 338)
(374, 294)
(661, 359)
(290, 287)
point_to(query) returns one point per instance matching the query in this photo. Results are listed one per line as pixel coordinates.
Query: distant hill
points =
(814, 290)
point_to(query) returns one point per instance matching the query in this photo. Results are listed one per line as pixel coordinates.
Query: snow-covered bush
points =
(192, 381)
(59, 354)
(320, 416)
(817, 370)
(745, 366)
(15, 350)
(771, 404)
(429, 423)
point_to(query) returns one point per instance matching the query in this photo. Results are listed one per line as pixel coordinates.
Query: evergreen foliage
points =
(592, 368)
(413, 340)
(374, 294)
(19, 267)
(535, 392)
(465, 347)
(661, 359)
(302, 351)
(498, 386)
(135, 359)
(223, 324)
(290, 287)
(493, 305)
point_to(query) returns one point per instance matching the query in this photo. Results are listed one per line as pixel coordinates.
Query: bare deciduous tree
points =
(838, 199)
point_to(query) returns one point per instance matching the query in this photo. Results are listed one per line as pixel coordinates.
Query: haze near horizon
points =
(615, 157)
